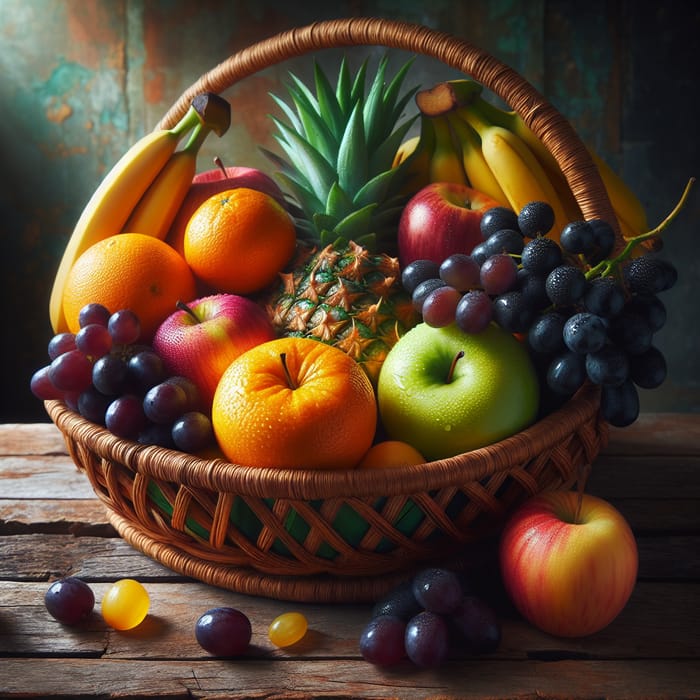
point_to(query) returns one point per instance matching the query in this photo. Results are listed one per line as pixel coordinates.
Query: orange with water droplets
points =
(238, 240)
(129, 271)
(294, 403)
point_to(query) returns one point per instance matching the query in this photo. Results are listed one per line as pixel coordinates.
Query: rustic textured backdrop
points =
(80, 81)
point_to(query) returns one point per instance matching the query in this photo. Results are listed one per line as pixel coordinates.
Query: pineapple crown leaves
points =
(340, 145)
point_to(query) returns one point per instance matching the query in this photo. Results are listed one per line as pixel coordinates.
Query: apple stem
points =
(292, 384)
(584, 472)
(220, 164)
(183, 307)
(455, 359)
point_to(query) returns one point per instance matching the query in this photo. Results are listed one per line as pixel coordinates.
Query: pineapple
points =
(344, 285)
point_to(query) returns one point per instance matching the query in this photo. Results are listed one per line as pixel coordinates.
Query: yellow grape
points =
(287, 629)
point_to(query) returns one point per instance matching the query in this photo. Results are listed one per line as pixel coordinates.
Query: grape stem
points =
(606, 267)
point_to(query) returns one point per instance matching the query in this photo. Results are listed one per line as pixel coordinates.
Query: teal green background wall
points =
(80, 81)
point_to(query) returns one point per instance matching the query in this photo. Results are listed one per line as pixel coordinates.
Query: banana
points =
(478, 173)
(446, 163)
(624, 201)
(517, 170)
(157, 208)
(110, 205)
(414, 155)
(119, 192)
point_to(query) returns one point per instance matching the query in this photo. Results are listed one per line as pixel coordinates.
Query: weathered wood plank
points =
(340, 678)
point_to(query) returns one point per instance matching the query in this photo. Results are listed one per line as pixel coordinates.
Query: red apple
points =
(200, 340)
(440, 219)
(210, 182)
(568, 567)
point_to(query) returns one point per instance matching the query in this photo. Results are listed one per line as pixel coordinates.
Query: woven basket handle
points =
(551, 127)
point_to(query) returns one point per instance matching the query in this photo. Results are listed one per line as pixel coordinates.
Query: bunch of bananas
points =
(464, 138)
(144, 190)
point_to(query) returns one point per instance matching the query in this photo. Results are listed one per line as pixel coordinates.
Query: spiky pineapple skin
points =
(346, 296)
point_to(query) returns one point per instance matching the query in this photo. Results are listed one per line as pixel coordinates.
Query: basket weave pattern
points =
(331, 536)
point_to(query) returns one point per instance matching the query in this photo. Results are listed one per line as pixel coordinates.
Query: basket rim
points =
(557, 134)
(308, 484)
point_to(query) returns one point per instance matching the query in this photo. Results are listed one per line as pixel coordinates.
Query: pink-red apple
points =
(442, 218)
(210, 182)
(568, 566)
(200, 340)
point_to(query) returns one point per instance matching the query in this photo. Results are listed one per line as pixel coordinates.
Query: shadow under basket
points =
(323, 536)
(330, 536)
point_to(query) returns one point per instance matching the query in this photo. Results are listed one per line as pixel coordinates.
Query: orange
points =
(296, 403)
(129, 271)
(238, 240)
(388, 454)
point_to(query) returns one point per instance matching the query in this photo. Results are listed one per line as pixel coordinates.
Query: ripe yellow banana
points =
(157, 208)
(518, 172)
(114, 199)
(414, 155)
(624, 201)
(446, 163)
(478, 173)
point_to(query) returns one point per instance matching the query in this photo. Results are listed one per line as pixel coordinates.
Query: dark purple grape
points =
(566, 373)
(536, 219)
(93, 340)
(477, 625)
(648, 275)
(382, 640)
(110, 374)
(69, 600)
(418, 271)
(165, 402)
(146, 369)
(584, 333)
(60, 343)
(124, 327)
(159, 434)
(496, 219)
(440, 306)
(474, 311)
(71, 371)
(534, 287)
(565, 285)
(223, 631)
(192, 432)
(400, 602)
(505, 240)
(460, 271)
(92, 405)
(604, 297)
(541, 255)
(499, 274)
(427, 639)
(193, 396)
(648, 370)
(577, 237)
(631, 332)
(604, 238)
(619, 405)
(42, 387)
(125, 417)
(545, 334)
(651, 309)
(608, 366)
(512, 312)
(93, 313)
(422, 290)
(437, 590)
(480, 253)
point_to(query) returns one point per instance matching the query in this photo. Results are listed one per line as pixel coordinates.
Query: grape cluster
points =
(422, 618)
(111, 379)
(585, 316)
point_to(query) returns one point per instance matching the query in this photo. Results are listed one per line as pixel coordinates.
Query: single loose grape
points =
(69, 600)
(287, 629)
(125, 604)
(223, 631)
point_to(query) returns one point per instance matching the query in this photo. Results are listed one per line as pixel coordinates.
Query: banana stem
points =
(197, 138)
(605, 267)
(188, 121)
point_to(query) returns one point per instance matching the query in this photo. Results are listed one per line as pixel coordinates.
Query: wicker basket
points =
(330, 536)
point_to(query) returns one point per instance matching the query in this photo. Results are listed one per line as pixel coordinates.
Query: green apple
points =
(447, 392)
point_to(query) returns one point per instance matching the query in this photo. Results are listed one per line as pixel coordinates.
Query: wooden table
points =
(52, 525)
